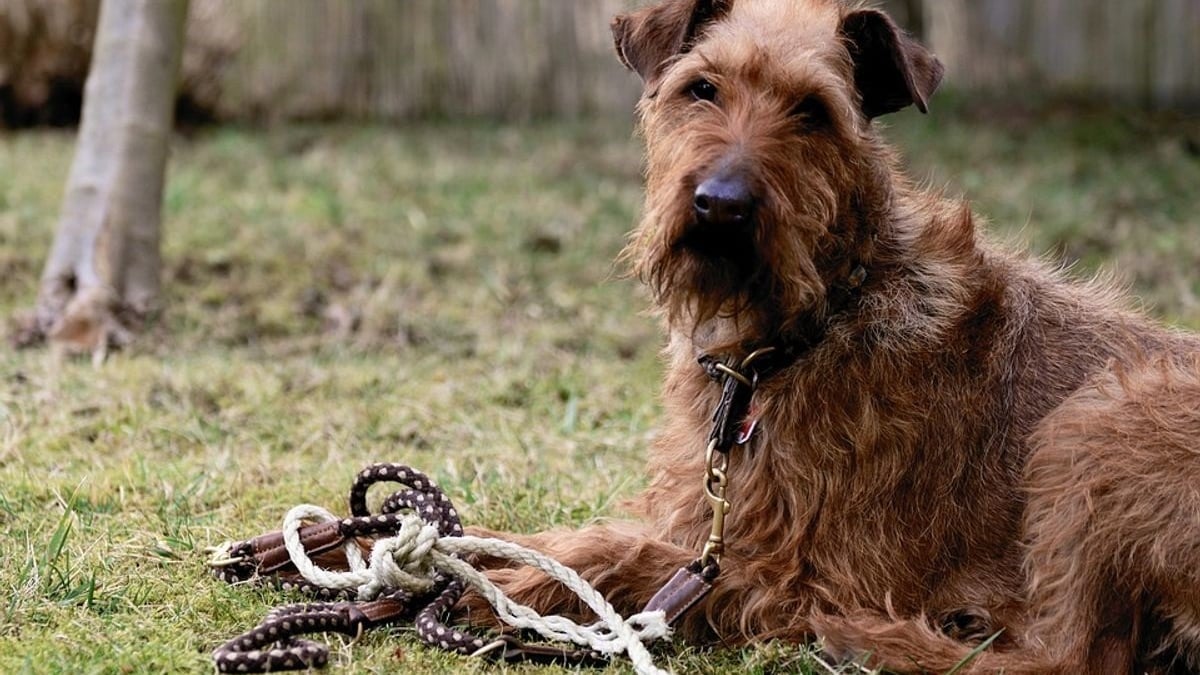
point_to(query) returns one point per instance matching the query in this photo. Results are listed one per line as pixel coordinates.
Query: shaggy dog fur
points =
(968, 443)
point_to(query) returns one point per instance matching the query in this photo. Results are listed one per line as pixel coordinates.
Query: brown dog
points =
(953, 440)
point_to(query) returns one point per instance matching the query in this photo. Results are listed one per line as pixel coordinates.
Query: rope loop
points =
(410, 559)
(423, 556)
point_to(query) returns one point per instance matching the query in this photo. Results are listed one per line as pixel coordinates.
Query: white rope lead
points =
(409, 559)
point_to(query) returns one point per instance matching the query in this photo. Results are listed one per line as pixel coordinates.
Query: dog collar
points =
(738, 380)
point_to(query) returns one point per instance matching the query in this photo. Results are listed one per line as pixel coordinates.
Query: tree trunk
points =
(102, 276)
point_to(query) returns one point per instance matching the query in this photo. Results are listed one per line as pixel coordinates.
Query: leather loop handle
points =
(687, 587)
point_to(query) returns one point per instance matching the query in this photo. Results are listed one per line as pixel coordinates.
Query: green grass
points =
(438, 295)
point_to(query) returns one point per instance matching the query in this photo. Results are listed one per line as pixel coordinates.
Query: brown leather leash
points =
(276, 643)
(732, 426)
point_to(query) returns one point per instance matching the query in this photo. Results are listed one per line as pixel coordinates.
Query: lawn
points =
(438, 295)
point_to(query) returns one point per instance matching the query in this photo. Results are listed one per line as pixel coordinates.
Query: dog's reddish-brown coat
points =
(975, 443)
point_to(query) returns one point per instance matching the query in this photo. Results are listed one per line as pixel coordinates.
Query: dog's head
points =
(761, 166)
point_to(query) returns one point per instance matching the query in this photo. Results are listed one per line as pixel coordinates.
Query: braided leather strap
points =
(275, 643)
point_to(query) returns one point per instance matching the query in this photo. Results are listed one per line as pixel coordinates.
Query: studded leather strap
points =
(275, 644)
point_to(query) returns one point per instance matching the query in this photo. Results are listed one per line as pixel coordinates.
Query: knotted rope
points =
(409, 560)
(414, 571)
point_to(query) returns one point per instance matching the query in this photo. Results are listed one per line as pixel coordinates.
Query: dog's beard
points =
(733, 250)
(702, 283)
(755, 278)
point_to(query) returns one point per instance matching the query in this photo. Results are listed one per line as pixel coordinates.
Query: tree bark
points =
(102, 276)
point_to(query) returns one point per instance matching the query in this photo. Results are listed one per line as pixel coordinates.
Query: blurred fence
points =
(396, 59)
(1137, 51)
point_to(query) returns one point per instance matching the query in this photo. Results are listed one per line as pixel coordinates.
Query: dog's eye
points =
(811, 112)
(702, 90)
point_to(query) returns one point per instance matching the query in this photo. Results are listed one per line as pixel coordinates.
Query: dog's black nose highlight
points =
(724, 199)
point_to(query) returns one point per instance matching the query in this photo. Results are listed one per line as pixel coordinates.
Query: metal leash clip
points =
(715, 482)
(736, 393)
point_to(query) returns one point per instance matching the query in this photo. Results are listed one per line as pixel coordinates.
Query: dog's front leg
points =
(625, 561)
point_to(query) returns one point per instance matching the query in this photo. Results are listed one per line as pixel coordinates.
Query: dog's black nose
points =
(725, 199)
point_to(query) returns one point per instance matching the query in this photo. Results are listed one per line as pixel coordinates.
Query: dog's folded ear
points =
(891, 70)
(648, 38)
